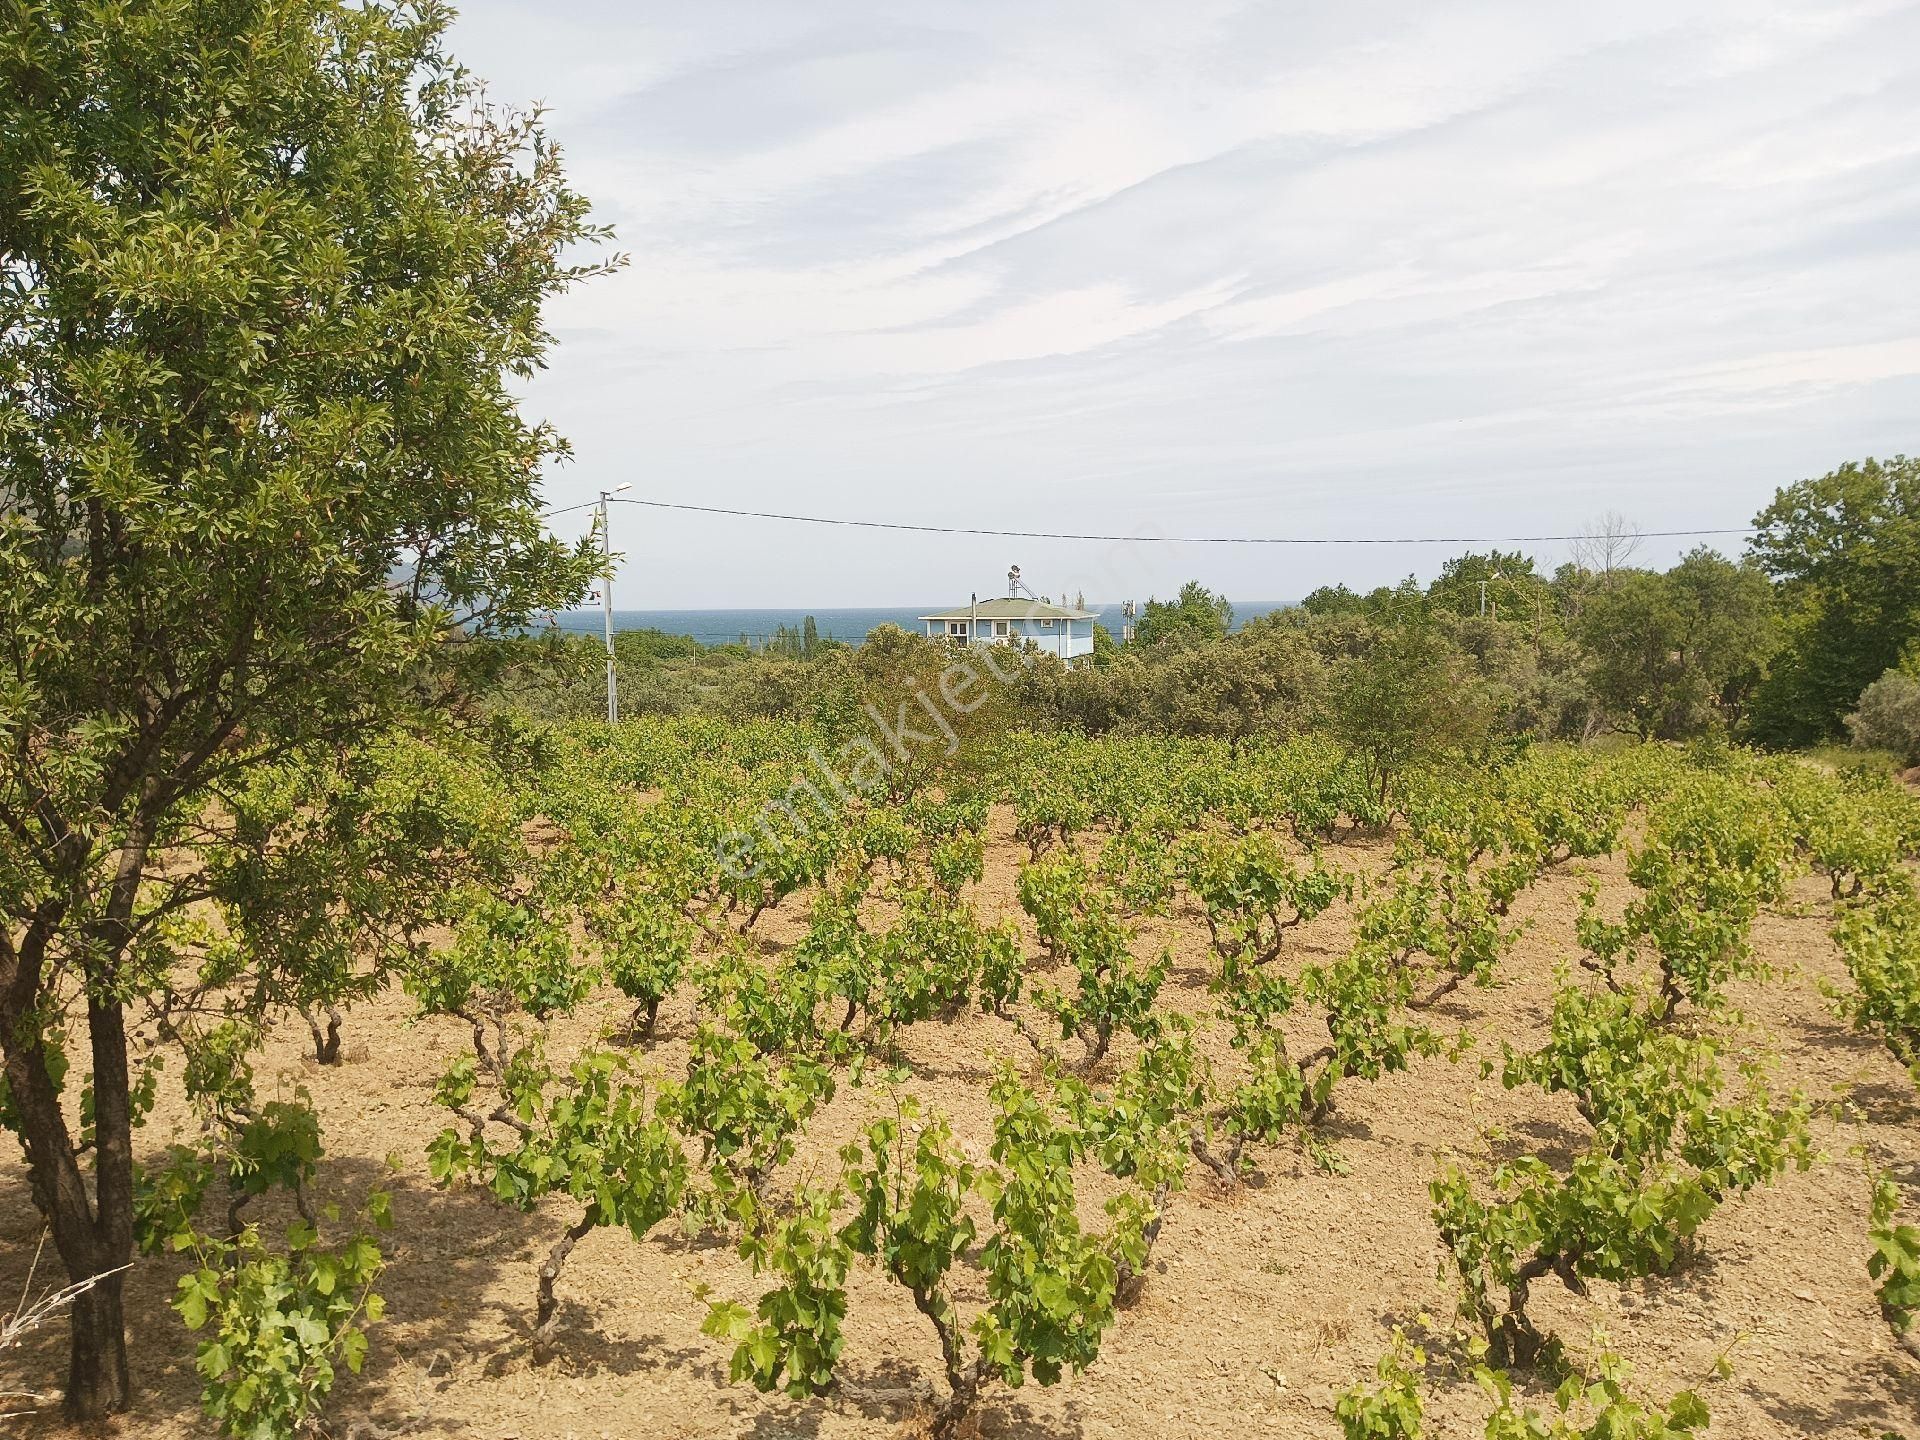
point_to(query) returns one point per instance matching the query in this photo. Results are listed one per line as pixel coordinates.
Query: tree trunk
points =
(97, 1383)
(959, 1404)
(546, 1307)
(1096, 1047)
(963, 1380)
(1516, 1339)
(1223, 1167)
(326, 1043)
(99, 1369)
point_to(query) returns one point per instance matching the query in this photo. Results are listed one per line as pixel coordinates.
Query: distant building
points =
(1057, 629)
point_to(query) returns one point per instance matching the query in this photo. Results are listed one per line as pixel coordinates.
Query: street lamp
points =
(606, 602)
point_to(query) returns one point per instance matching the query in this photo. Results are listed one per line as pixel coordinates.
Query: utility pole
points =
(606, 602)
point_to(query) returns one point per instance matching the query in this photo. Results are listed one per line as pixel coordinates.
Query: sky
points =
(1376, 270)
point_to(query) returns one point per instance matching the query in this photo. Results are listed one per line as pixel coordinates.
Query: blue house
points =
(1057, 629)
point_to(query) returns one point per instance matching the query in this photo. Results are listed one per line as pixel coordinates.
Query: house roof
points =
(1013, 608)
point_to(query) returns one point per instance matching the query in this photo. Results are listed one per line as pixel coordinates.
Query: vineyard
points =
(1097, 1087)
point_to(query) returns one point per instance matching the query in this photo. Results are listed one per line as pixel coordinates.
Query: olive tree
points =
(268, 275)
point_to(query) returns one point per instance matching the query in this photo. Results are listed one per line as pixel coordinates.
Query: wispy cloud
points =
(1484, 268)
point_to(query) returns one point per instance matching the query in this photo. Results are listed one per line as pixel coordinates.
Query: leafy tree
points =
(1382, 603)
(269, 277)
(1846, 551)
(926, 709)
(1535, 682)
(1670, 653)
(333, 867)
(636, 647)
(800, 642)
(1334, 600)
(1194, 617)
(1270, 684)
(1509, 579)
(1406, 701)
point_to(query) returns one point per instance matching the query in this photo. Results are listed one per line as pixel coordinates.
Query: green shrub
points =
(1888, 717)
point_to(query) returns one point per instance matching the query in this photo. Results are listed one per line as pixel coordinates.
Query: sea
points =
(756, 627)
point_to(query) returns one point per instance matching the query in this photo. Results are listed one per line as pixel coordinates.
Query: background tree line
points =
(1813, 633)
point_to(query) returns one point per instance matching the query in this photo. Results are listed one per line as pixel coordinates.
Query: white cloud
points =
(1798, 372)
(1484, 268)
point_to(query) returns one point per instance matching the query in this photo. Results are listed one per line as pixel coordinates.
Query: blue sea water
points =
(725, 627)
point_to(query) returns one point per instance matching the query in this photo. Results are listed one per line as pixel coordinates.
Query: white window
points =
(1046, 624)
(957, 629)
(1000, 627)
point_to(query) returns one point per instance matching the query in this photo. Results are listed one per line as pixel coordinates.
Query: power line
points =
(1139, 539)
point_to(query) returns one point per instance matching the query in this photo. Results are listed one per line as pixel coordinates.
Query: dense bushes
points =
(1283, 675)
(1777, 646)
(1669, 655)
(1888, 717)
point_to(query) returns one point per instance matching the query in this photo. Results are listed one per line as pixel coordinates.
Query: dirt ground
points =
(1263, 1305)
